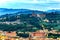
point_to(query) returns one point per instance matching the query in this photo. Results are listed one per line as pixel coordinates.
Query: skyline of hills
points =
(4, 11)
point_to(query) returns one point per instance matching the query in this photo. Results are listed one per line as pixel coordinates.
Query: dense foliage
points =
(29, 22)
(50, 35)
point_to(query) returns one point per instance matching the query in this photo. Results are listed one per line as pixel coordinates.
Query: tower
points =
(33, 14)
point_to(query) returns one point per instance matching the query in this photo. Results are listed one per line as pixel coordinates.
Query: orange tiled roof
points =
(41, 34)
(10, 34)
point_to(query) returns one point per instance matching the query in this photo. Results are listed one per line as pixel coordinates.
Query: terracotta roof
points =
(10, 34)
(41, 34)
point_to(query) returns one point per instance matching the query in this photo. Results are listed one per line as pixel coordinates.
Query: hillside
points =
(30, 20)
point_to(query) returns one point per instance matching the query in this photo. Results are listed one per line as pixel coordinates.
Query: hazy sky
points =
(31, 4)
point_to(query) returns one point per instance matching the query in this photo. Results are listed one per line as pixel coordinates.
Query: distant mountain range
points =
(4, 12)
(24, 11)
(56, 11)
(21, 11)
